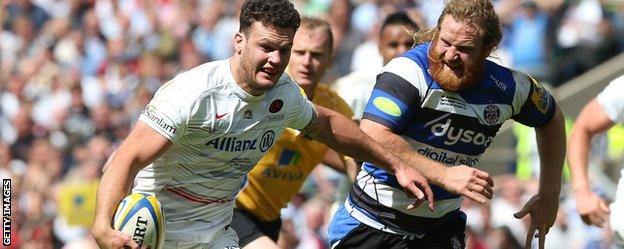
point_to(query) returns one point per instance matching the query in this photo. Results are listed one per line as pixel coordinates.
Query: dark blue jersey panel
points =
(381, 175)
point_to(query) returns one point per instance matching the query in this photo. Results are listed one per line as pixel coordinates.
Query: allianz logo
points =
(454, 135)
(234, 144)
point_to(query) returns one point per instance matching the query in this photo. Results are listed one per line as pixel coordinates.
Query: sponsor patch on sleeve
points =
(540, 97)
(387, 106)
(159, 121)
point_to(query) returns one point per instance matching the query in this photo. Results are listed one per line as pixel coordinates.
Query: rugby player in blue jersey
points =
(439, 106)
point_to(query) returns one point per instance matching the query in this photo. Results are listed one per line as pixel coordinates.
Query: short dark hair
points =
(398, 18)
(273, 13)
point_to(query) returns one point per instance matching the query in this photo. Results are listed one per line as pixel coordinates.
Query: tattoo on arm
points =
(312, 129)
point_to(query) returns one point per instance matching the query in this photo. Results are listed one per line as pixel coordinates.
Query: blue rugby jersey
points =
(453, 128)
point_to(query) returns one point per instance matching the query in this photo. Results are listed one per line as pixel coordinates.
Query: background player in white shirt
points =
(598, 116)
(206, 128)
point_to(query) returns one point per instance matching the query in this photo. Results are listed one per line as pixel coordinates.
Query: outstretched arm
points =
(142, 146)
(591, 121)
(464, 180)
(544, 205)
(343, 135)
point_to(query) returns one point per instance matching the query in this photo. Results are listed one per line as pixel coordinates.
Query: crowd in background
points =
(75, 75)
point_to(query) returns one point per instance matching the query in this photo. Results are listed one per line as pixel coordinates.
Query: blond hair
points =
(313, 23)
(478, 12)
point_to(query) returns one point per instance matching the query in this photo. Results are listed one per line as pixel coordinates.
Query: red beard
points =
(470, 77)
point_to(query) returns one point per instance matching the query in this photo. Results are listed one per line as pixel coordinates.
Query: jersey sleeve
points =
(538, 108)
(301, 110)
(395, 97)
(611, 100)
(167, 112)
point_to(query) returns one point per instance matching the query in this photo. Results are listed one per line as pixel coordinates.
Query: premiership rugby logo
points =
(540, 97)
(491, 114)
(276, 106)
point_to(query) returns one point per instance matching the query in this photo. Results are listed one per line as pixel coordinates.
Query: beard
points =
(470, 77)
(250, 76)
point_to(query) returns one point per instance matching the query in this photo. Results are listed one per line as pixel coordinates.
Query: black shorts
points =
(449, 236)
(249, 228)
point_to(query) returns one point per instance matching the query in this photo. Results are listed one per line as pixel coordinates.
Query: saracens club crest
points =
(491, 114)
(276, 105)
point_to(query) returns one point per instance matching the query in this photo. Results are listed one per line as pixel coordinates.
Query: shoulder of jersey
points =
(201, 73)
(141, 216)
(325, 91)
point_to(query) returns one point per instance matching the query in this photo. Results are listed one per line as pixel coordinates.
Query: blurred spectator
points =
(527, 40)
(28, 9)
(584, 37)
(503, 238)
(506, 203)
(395, 38)
(314, 211)
(431, 10)
(346, 38)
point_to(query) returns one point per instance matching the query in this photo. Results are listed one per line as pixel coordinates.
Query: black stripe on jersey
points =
(380, 120)
(398, 87)
(393, 218)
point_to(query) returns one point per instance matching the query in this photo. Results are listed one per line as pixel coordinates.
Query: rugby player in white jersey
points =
(206, 128)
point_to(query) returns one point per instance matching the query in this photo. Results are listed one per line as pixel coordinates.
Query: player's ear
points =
(239, 42)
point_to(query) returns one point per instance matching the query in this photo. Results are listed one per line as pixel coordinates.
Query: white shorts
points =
(223, 239)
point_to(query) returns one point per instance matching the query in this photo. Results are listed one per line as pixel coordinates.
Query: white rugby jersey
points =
(218, 132)
(612, 103)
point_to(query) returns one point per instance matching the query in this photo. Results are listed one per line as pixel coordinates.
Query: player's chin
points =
(264, 82)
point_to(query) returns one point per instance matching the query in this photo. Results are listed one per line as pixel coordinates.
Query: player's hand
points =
(470, 182)
(592, 209)
(414, 185)
(113, 239)
(543, 211)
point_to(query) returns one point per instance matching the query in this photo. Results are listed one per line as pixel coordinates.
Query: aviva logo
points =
(387, 106)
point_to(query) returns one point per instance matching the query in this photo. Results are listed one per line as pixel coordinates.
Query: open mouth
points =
(269, 71)
(457, 69)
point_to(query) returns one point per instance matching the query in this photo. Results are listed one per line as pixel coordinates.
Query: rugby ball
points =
(141, 217)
